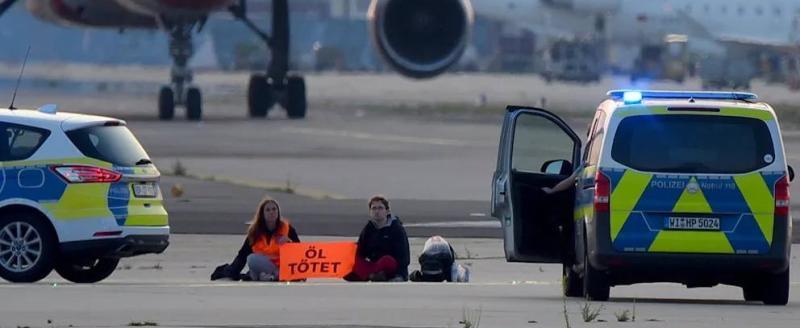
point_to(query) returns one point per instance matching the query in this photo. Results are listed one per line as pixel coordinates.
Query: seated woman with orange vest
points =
(261, 249)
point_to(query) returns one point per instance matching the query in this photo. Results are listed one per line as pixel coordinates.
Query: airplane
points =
(423, 38)
(419, 39)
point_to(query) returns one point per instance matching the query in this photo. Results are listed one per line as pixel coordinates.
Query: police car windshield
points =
(693, 144)
(113, 144)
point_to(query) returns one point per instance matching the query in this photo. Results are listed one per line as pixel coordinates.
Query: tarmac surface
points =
(364, 135)
(173, 290)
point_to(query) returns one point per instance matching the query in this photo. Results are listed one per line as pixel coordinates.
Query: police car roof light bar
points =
(651, 94)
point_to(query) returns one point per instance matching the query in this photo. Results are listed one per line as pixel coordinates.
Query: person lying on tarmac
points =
(261, 248)
(382, 253)
(437, 263)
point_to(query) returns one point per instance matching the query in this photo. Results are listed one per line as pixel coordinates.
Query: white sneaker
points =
(459, 273)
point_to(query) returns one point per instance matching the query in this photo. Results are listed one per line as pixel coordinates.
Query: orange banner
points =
(317, 260)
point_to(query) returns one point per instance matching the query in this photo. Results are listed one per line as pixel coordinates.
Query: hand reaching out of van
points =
(562, 185)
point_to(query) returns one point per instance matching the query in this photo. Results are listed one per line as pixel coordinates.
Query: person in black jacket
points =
(383, 252)
(261, 249)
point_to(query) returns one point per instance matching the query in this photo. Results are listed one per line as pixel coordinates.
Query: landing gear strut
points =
(276, 86)
(180, 92)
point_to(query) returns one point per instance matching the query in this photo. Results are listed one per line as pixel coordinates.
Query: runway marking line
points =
(288, 284)
(273, 284)
(376, 137)
(455, 224)
(270, 186)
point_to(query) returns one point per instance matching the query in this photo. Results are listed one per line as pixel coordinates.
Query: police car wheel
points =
(27, 248)
(776, 288)
(595, 282)
(87, 272)
(571, 282)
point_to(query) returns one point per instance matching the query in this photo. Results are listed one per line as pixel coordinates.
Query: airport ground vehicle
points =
(685, 187)
(77, 193)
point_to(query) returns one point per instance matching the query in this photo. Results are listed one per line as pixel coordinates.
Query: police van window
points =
(20, 142)
(595, 139)
(113, 144)
(589, 132)
(537, 140)
(693, 144)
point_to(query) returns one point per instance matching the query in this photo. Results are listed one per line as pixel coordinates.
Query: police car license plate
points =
(692, 223)
(144, 190)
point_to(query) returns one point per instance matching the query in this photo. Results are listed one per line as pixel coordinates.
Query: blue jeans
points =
(259, 264)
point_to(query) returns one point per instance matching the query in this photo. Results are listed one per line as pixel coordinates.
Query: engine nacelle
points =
(88, 13)
(420, 38)
(593, 6)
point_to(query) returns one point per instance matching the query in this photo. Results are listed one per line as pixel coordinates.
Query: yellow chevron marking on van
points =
(691, 242)
(692, 202)
(758, 197)
(624, 198)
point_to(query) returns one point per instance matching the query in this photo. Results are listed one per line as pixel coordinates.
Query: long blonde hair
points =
(258, 225)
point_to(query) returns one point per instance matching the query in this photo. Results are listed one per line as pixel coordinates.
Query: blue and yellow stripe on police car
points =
(66, 202)
(642, 202)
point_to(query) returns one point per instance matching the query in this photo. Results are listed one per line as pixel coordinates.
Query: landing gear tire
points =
(296, 104)
(776, 288)
(194, 104)
(595, 282)
(28, 248)
(259, 96)
(166, 103)
(88, 272)
(571, 282)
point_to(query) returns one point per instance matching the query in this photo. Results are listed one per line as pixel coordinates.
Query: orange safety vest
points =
(266, 247)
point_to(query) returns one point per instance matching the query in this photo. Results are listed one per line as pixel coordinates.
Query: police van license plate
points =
(692, 223)
(144, 190)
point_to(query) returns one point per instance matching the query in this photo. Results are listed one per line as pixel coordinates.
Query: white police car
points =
(77, 193)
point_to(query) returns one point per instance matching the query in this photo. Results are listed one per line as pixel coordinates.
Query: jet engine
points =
(420, 38)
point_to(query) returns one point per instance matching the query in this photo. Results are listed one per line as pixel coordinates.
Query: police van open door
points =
(537, 149)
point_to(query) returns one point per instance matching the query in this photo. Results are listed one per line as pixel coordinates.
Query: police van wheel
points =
(87, 272)
(27, 248)
(595, 282)
(776, 288)
(571, 282)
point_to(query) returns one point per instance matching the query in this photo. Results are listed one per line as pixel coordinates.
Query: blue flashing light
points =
(630, 96)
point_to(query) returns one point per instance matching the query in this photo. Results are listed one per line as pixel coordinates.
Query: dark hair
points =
(258, 225)
(378, 198)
